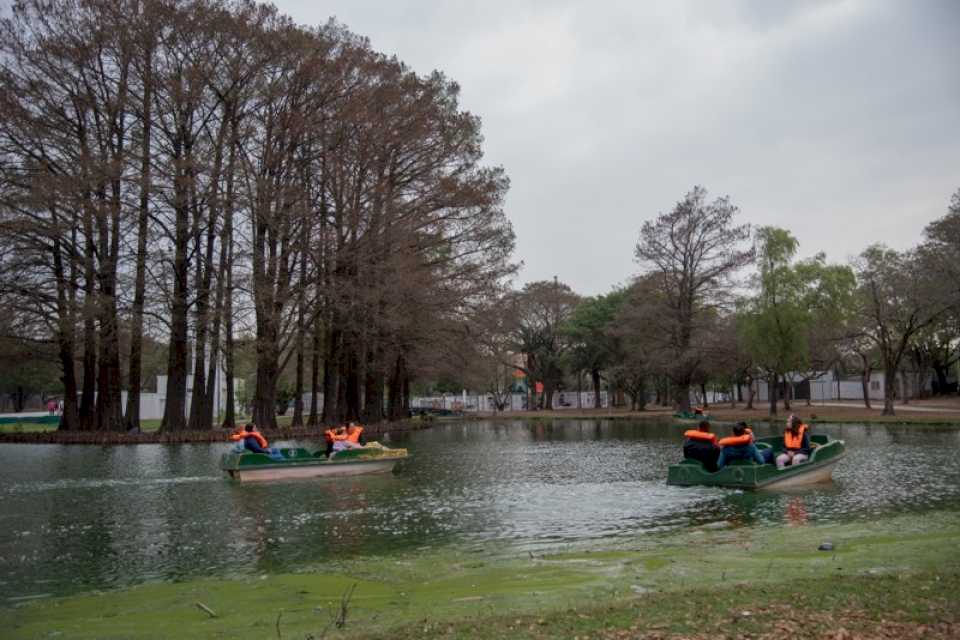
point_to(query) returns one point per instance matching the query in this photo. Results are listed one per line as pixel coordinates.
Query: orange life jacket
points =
(794, 442)
(736, 441)
(353, 434)
(242, 435)
(329, 435)
(696, 434)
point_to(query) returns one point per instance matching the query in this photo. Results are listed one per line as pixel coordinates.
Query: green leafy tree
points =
(798, 306)
(898, 296)
(538, 315)
(594, 347)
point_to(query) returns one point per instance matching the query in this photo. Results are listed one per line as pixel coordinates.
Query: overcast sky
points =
(837, 120)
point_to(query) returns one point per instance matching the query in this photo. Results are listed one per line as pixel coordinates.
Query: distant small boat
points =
(301, 463)
(745, 474)
(690, 417)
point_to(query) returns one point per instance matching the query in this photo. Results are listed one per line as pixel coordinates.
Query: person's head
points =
(250, 426)
(704, 425)
(740, 428)
(793, 423)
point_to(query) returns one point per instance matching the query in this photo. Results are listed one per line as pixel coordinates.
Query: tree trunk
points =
(682, 397)
(703, 391)
(865, 381)
(751, 392)
(772, 393)
(889, 387)
(69, 419)
(226, 247)
(787, 393)
(314, 419)
(352, 380)
(941, 373)
(132, 417)
(331, 386)
(230, 402)
(175, 409)
(595, 377)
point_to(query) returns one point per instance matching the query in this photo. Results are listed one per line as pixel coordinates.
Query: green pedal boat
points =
(745, 474)
(303, 463)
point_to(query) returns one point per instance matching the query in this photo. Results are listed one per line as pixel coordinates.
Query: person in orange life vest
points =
(796, 443)
(355, 434)
(253, 440)
(739, 446)
(342, 439)
(700, 444)
(332, 436)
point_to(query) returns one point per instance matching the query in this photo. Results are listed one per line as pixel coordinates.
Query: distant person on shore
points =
(700, 444)
(739, 446)
(796, 443)
(52, 407)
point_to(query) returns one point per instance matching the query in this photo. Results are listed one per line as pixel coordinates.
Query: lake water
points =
(76, 518)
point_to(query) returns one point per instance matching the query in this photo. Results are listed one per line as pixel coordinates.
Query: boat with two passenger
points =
(253, 460)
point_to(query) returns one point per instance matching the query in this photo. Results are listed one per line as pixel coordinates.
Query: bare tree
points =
(694, 250)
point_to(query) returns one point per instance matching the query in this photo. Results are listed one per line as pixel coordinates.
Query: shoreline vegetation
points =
(890, 577)
(943, 413)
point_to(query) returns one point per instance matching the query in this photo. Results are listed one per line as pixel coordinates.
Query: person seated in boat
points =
(739, 446)
(700, 444)
(253, 440)
(700, 412)
(796, 443)
(332, 436)
(355, 434)
(342, 439)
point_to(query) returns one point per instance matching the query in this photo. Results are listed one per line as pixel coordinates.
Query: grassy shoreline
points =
(45, 434)
(641, 585)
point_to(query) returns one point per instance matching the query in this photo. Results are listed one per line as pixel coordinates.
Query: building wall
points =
(483, 403)
(826, 388)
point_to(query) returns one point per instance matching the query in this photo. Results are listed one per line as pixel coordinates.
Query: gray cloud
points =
(838, 120)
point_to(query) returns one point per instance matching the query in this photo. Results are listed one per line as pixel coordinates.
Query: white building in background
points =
(484, 403)
(830, 386)
(152, 404)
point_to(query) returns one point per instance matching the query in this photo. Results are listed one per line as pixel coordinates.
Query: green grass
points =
(875, 606)
(682, 582)
(26, 427)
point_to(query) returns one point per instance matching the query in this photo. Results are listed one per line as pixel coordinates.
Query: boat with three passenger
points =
(747, 474)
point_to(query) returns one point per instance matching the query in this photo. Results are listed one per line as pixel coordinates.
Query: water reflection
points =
(76, 518)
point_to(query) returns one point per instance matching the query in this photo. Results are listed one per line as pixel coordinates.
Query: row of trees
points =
(695, 317)
(194, 171)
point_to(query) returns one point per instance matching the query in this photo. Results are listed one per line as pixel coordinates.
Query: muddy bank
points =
(183, 437)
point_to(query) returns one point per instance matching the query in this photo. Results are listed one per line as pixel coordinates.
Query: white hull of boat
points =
(823, 473)
(321, 470)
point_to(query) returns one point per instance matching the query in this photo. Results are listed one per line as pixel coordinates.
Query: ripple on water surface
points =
(78, 517)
